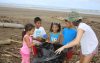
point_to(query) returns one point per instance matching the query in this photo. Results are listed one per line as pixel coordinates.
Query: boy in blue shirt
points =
(69, 33)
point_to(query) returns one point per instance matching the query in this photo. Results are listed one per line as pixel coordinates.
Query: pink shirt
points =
(25, 49)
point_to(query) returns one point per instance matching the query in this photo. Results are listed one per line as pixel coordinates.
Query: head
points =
(37, 22)
(29, 28)
(55, 27)
(68, 24)
(77, 22)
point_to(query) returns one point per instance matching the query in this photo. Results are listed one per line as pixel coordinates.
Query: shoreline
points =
(81, 11)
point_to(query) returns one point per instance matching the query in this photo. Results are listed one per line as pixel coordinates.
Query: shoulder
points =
(83, 26)
(65, 29)
(26, 37)
(41, 27)
(74, 29)
(60, 34)
(51, 33)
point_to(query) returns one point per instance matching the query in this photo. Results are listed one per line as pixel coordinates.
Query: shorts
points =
(93, 53)
(34, 50)
(69, 54)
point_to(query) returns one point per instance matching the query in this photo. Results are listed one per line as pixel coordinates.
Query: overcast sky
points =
(77, 4)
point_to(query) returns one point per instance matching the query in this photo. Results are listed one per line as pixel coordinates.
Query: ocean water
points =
(60, 9)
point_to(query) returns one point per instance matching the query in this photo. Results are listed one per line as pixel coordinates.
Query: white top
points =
(89, 41)
(39, 32)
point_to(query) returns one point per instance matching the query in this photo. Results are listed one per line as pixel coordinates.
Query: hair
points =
(76, 23)
(28, 27)
(65, 20)
(71, 25)
(36, 19)
(57, 24)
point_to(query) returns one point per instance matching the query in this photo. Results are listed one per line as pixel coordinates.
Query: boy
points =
(69, 33)
(39, 30)
(39, 34)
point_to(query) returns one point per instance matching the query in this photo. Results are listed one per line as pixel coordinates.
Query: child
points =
(69, 34)
(27, 43)
(54, 35)
(39, 30)
(88, 41)
(39, 34)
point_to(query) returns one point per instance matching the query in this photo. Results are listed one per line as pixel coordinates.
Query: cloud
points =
(80, 4)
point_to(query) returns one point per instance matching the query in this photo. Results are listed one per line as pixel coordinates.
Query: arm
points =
(27, 40)
(60, 39)
(43, 31)
(74, 42)
(48, 39)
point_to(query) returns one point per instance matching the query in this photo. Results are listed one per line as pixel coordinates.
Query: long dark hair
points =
(28, 27)
(57, 24)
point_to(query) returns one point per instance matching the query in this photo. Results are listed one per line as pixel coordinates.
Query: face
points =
(38, 24)
(55, 28)
(31, 31)
(68, 24)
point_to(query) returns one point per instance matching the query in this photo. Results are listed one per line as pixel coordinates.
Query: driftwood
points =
(11, 25)
(8, 41)
(15, 55)
(16, 41)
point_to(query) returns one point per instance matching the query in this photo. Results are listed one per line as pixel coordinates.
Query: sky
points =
(61, 4)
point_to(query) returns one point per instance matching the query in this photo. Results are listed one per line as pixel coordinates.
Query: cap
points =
(71, 19)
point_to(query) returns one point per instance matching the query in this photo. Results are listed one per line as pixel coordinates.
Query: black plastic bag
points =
(46, 54)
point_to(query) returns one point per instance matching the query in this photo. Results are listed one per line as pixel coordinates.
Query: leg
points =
(69, 56)
(81, 58)
(87, 59)
(27, 59)
(23, 58)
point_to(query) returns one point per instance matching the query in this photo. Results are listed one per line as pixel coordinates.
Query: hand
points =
(55, 42)
(39, 38)
(58, 51)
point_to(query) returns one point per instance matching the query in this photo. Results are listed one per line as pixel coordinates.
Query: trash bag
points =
(46, 54)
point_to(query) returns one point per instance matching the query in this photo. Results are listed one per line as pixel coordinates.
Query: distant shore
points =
(93, 12)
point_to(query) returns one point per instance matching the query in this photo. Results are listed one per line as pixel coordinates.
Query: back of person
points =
(89, 40)
(25, 49)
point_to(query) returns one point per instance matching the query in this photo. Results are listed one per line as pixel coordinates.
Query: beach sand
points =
(23, 16)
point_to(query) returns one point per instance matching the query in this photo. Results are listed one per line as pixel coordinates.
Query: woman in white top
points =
(87, 39)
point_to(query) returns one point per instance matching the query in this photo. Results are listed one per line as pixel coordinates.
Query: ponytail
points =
(23, 33)
(51, 27)
(59, 27)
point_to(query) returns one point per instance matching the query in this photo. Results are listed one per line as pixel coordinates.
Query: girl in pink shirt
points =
(27, 43)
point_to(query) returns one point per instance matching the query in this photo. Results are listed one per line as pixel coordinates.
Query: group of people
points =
(73, 33)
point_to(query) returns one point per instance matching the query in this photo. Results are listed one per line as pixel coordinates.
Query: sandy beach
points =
(23, 16)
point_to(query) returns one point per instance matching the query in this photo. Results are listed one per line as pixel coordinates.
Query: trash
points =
(46, 54)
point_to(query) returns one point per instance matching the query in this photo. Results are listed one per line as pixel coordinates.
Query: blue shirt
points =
(54, 37)
(69, 34)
